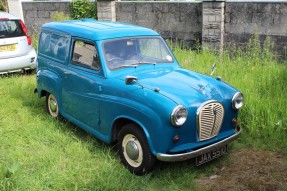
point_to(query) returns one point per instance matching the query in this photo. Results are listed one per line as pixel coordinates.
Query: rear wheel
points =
(27, 71)
(31, 71)
(134, 150)
(52, 105)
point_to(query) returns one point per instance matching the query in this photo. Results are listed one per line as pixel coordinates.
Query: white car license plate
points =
(6, 48)
(206, 157)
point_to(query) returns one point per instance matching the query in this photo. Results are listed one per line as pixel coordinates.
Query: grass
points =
(39, 153)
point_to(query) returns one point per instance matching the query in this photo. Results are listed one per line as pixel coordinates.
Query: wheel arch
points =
(48, 82)
(120, 122)
(43, 93)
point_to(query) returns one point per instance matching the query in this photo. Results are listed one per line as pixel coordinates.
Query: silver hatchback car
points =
(16, 50)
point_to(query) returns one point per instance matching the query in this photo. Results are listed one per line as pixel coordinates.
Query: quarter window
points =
(86, 55)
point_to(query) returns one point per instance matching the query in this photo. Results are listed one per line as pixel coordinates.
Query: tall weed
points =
(60, 16)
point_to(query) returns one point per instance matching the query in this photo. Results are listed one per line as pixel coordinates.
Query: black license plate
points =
(206, 157)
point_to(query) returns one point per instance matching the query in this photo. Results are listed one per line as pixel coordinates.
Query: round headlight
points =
(237, 101)
(178, 116)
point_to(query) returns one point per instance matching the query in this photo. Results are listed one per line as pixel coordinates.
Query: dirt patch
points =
(249, 169)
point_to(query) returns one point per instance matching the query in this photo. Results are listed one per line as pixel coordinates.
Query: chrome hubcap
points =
(53, 105)
(132, 150)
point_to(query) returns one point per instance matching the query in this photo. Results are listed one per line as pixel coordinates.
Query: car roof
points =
(7, 15)
(98, 30)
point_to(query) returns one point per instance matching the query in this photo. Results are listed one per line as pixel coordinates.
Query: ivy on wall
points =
(83, 9)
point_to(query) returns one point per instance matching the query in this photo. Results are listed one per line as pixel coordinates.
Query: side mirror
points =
(131, 80)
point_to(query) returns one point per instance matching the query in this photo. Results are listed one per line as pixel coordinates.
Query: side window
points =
(86, 55)
(54, 45)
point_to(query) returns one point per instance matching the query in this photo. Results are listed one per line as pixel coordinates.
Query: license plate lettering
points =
(206, 157)
(6, 48)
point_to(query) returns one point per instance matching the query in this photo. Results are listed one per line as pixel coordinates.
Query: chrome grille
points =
(209, 118)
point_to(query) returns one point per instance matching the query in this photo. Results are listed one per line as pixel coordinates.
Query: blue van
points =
(121, 83)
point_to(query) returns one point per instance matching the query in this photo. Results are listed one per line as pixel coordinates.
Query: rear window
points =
(10, 28)
(54, 45)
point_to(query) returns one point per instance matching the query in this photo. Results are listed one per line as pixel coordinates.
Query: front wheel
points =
(52, 105)
(134, 150)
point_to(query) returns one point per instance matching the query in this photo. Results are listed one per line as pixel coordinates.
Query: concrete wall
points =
(37, 13)
(15, 8)
(210, 23)
(173, 20)
(106, 10)
(244, 19)
(215, 23)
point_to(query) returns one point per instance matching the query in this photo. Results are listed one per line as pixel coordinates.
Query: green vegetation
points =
(261, 78)
(3, 5)
(83, 9)
(39, 153)
(60, 16)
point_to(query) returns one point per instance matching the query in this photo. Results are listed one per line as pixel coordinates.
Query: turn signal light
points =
(234, 121)
(176, 138)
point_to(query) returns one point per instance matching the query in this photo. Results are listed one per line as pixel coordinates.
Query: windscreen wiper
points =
(127, 66)
(141, 63)
(135, 64)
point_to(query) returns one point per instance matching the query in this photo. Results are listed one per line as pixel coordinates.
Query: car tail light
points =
(25, 30)
(4, 19)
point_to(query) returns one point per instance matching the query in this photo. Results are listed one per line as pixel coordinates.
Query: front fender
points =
(150, 110)
(142, 126)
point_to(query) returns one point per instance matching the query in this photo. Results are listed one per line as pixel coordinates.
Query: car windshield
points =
(131, 52)
(10, 28)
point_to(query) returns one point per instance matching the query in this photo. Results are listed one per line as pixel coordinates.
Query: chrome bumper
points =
(193, 154)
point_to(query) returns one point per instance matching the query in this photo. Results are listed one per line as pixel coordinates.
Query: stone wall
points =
(106, 10)
(242, 20)
(215, 23)
(212, 23)
(37, 13)
(173, 20)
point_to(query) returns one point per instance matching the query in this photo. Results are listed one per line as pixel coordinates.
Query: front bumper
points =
(196, 153)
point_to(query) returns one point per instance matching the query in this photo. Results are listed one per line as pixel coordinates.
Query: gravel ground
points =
(249, 169)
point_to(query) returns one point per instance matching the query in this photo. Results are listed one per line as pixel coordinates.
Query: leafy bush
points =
(83, 9)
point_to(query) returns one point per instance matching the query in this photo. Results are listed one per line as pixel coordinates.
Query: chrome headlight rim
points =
(175, 121)
(237, 101)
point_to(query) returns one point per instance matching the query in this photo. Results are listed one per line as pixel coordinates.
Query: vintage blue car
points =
(121, 83)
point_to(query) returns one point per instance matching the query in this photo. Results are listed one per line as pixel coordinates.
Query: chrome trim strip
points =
(195, 153)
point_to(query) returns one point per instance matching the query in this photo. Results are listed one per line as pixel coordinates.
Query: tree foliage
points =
(3, 5)
(83, 9)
